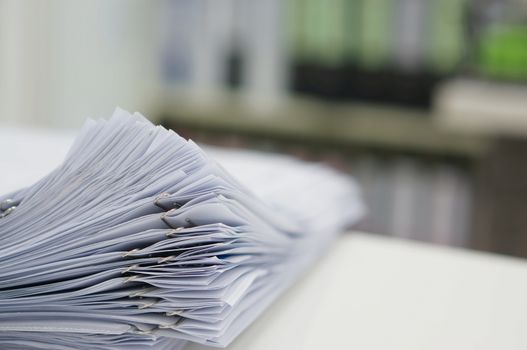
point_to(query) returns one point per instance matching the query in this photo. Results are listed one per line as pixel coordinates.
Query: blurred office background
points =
(423, 101)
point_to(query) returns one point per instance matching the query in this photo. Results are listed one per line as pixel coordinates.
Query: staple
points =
(6, 204)
(170, 325)
(8, 211)
(138, 293)
(173, 313)
(156, 201)
(142, 332)
(131, 278)
(127, 269)
(163, 217)
(174, 232)
(130, 252)
(165, 259)
(146, 305)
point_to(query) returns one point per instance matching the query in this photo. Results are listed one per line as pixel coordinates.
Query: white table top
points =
(369, 292)
(373, 292)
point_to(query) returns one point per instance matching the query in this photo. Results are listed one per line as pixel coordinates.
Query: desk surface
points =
(369, 292)
(372, 292)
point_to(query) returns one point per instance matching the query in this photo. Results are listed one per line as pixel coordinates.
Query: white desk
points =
(373, 292)
(368, 293)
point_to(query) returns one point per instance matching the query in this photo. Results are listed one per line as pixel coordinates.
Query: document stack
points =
(140, 240)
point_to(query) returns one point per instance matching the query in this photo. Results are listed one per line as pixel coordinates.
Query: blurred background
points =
(424, 102)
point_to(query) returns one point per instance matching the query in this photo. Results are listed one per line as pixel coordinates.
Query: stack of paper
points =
(139, 239)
